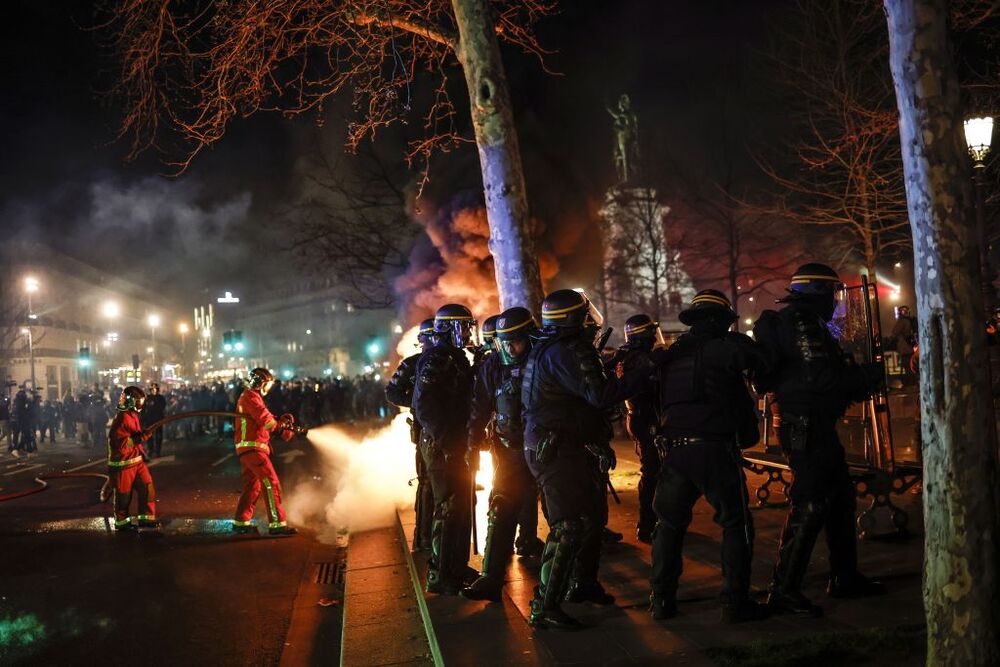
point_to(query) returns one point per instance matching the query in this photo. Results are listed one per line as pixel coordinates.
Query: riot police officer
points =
(813, 384)
(708, 414)
(565, 395)
(441, 401)
(641, 335)
(497, 397)
(489, 333)
(399, 392)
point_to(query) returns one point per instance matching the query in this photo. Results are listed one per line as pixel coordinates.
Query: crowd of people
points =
(26, 420)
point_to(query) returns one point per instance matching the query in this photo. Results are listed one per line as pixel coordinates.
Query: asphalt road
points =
(72, 591)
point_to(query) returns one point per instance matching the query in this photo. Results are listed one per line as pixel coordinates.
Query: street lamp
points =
(30, 287)
(153, 321)
(183, 329)
(978, 136)
(31, 353)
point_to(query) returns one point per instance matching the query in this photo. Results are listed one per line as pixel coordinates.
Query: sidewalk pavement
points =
(481, 633)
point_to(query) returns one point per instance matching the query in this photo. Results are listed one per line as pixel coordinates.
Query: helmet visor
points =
(594, 315)
(658, 339)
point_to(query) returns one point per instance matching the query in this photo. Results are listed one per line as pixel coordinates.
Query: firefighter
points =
(496, 399)
(126, 463)
(441, 402)
(253, 448)
(641, 335)
(708, 415)
(399, 392)
(813, 384)
(565, 396)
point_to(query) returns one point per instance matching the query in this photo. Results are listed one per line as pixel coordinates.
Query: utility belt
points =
(666, 444)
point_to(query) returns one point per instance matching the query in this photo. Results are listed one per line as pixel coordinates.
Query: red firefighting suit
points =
(127, 470)
(253, 437)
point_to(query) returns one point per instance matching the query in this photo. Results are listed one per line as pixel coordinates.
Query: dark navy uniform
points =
(642, 422)
(497, 399)
(441, 399)
(399, 392)
(566, 395)
(708, 413)
(813, 384)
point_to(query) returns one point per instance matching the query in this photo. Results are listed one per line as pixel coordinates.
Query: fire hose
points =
(42, 479)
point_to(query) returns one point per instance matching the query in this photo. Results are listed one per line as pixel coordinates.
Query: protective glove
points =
(287, 434)
(286, 421)
(605, 455)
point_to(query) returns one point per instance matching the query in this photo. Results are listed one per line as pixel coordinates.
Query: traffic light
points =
(84, 358)
(232, 340)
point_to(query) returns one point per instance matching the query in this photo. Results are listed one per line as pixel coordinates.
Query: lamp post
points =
(111, 311)
(153, 321)
(30, 287)
(978, 135)
(183, 329)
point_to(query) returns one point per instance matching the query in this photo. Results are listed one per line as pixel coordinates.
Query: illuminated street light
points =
(182, 327)
(978, 136)
(154, 321)
(110, 310)
(149, 350)
(30, 287)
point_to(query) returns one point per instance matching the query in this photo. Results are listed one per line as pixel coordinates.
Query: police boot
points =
(589, 591)
(794, 550)
(530, 547)
(496, 553)
(740, 609)
(557, 564)
(855, 585)
(662, 607)
(609, 536)
(584, 586)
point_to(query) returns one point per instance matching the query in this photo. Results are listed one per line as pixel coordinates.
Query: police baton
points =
(473, 468)
(611, 488)
(744, 503)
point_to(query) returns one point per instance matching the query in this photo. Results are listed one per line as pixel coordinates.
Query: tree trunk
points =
(962, 543)
(511, 244)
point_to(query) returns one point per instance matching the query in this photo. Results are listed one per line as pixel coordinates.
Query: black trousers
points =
(423, 506)
(451, 486)
(513, 485)
(822, 480)
(689, 472)
(649, 471)
(574, 490)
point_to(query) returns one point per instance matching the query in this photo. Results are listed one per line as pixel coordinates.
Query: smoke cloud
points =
(452, 262)
(364, 481)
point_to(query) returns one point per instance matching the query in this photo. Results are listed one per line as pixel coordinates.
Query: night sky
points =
(684, 64)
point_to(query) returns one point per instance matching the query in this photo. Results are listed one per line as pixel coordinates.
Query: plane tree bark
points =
(961, 500)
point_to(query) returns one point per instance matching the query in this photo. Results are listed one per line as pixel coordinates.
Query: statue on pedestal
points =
(626, 140)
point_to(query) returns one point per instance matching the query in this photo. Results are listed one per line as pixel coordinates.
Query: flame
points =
(484, 479)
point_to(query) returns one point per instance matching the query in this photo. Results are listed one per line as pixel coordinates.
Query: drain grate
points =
(331, 572)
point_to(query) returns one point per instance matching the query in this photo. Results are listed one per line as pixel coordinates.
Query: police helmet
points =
(489, 329)
(455, 324)
(425, 331)
(514, 325)
(261, 379)
(815, 279)
(132, 398)
(570, 309)
(642, 328)
(708, 303)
